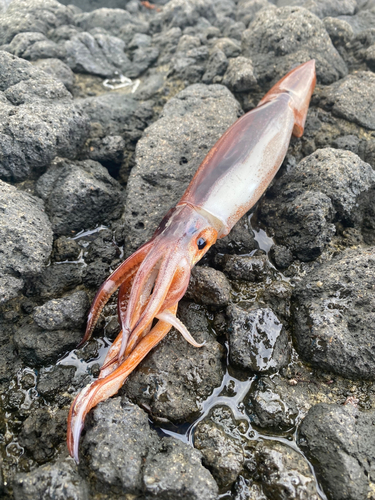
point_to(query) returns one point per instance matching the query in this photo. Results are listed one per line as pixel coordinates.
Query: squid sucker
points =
(229, 181)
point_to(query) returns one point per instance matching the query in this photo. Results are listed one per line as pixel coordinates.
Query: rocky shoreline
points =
(106, 113)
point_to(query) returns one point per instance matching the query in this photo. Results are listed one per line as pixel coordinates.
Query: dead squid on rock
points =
(230, 180)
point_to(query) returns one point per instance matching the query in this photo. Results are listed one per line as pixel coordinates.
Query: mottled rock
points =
(41, 433)
(97, 54)
(56, 279)
(179, 13)
(281, 255)
(279, 39)
(112, 20)
(65, 249)
(248, 268)
(68, 312)
(38, 119)
(175, 376)
(118, 439)
(247, 9)
(176, 471)
(58, 70)
(57, 481)
(240, 76)
(223, 454)
(340, 440)
(216, 66)
(352, 98)
(37, 346)
(334, 315)
(33, 15)
(240, 240)
(26, 241)
(55, 381)
(257, 339)
(79, 195)
(325, 8)
(329, 185)
(284, 473)
(170, 152)
(209, 286)
(33, 46)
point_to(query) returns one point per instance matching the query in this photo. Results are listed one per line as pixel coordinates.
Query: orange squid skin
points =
(230, 180)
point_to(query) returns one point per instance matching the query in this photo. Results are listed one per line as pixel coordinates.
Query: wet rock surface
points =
(106, 113)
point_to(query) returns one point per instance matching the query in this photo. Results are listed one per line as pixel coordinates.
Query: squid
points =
(229, 181)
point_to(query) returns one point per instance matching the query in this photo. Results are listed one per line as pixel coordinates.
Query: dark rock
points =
(179, 13)
(329, 185)
(143, 58)
(42, 432)
(10, 362)
(234, 30)
(58, 70)
(370, 57)
(352, 99)
(216, 66)
(209, 286)
(340, 440)
(225, 8)
(257, 339)
(33, 46)
(112, 20)
(54, 382)
(347, 142)
(79, 195)
(26, 240)
(59, 481)
(278, 297)
(39, 119)
(37, 346)
(247, 9)
(240, 76)
(65, 249)
(284, 473)
(37, 15)
(334, 315)
(339, 31)
(223, 454)
(56, 280)
(240, 240)
(95, 273)
(117, 441)
(68, 312)
(99, 54)
(279, 39)
(176, 471)
(361, 21)
(175, 376)
(247, 268)
(282, 256)
(170, 152)
(334, 8)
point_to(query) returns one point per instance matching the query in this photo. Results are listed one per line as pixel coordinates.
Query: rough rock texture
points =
(68, 312)
(26, 240)
(39, 119)
(328, 186)
(208, 286)
(340, 439)
(57, 69)
(79, 195)
(280, 38)
(257, 340)
(352, 98)
(175, 376)
(59, 480)
(334, 315)
(169, 153)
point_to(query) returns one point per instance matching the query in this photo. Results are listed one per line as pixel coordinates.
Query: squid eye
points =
(201, 243)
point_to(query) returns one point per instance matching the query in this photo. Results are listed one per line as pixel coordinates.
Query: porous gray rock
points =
(118, 439)
(209, 286)
(240, 75)
(329, 185)
(57, 69)
(59, 480)
(79, 195)
(255, 268)
(257, 339)
(98, 54)
(68, 312)
(279, 39)
(247, 9)
(352, 98)
(112, 20)
(334, 315)
(33, 15)
(26, 241)
(38, 119)
(176, 374)
(325, 8)
(179, 13)
(33, 46)
(170, 152)
(176, 471)
(340, 440)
